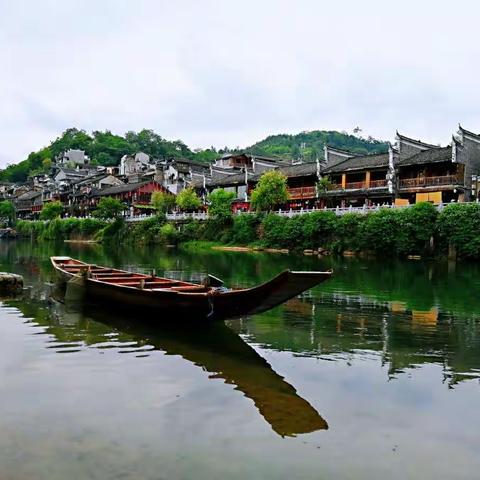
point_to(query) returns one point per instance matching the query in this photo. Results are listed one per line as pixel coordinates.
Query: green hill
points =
(106, 148)
(103, 148)
(309, 145)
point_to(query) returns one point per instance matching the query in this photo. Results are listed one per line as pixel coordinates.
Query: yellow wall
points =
(344, 180)
(400, 202)
(367, 179)
(435, 197)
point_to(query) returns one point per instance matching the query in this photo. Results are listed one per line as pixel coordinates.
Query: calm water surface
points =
(374, 374)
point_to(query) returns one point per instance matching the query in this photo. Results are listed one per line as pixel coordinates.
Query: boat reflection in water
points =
(213, 347)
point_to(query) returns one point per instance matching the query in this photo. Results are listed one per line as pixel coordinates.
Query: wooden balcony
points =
(378, 183)
(355, 185)
(301, 193)
(420, 182)
(360, 185)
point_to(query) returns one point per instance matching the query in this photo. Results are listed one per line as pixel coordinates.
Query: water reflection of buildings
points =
(215, 348)
(338, 326)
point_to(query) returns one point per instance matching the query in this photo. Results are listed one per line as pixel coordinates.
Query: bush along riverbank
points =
(417, 230)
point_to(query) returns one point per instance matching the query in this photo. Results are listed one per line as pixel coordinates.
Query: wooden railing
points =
(302, 192)
(359, 185)
(355, 185)
(429, 181)
(378, 183)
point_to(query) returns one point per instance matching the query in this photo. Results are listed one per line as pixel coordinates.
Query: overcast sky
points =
(231, 72)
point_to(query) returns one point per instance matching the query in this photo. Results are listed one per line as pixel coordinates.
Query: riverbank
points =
(417, 231)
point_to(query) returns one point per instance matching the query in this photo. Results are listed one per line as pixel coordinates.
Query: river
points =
(374, 374)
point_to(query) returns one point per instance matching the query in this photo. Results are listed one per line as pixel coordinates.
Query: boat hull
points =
(214, 304)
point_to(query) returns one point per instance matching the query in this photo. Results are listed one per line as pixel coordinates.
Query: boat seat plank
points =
(190, 288)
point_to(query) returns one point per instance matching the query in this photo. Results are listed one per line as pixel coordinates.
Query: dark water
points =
(372, 375)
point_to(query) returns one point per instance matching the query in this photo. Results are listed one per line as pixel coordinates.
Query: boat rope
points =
(210, 303)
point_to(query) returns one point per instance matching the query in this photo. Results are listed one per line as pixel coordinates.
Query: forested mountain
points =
(309, 145)
(106, 148)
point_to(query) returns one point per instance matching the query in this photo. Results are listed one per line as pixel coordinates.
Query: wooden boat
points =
(188, 300)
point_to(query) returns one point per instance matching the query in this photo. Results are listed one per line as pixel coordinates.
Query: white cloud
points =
(229, 73)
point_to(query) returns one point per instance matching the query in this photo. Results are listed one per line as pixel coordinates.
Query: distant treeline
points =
(106, 148)
(103, 148)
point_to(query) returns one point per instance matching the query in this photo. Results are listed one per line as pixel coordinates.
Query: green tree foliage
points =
(108, 208)
(323, 186)
(162, 201)
(220, 204)
(168, 234)
(7, 212)
(51, 210)
(244, 229)
(60, 228)
(187, 200)
(459, 224)
(289, 146)
(103, 148)
(270, 191)
(47, 164)
(106, 148)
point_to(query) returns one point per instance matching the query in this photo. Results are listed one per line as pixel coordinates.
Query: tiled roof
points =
(417, 142)
(277, 160)
(468, 132)
(359, 163)
(432, 155)
(128, 187)
(301, 170)
(91, 178)
(29, 195)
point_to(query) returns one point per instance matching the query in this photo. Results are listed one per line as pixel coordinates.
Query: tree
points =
(323, 186)
(220, 204)
(162, 201)
(51, 210)
(47, 164)
(7, 212)
(108, 207)
(188, 200)
(270, 191)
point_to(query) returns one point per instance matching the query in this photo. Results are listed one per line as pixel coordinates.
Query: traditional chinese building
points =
(359, 179)
(130, 194)
(429, 173)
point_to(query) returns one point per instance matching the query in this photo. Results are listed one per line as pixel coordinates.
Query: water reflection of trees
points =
(411, 313)
(339, 327)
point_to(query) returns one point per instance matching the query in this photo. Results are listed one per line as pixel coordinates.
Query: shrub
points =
(147, 231)
(319, 228)
(108, 208)
(51, 210)
(272, 230)
(59, 229)
(459, 225)
(244, 229)
(220, 205)
(162, 201)
(192, 230)
(188, 200)
(168, 234)
(417, 226)
(347, 234)
(114, 232)
(380, 231)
